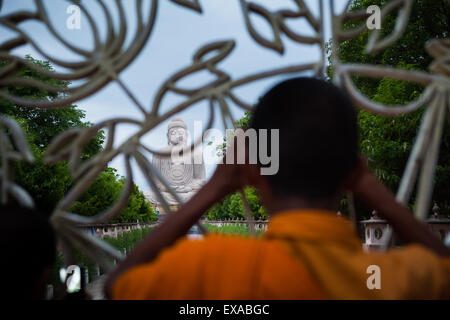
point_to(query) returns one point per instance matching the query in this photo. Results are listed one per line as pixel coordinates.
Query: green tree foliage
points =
(232, 207)
(48, 183)
(42, 125)
(386, 141)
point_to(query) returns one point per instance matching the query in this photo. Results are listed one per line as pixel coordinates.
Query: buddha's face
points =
(177, 136)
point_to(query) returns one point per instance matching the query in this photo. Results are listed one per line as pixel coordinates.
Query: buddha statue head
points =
(177, 132)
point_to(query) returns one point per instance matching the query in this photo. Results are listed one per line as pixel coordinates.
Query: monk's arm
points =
(410, 230)
(175, 227)
(226, 179)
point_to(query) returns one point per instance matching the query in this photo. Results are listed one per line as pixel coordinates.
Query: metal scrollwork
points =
(108, 58)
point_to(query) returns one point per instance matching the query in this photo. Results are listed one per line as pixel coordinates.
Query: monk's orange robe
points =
(305, 254)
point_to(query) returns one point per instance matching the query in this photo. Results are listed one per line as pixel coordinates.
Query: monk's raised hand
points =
(234, 172)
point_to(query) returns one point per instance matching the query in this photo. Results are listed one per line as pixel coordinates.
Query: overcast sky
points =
(178, 33)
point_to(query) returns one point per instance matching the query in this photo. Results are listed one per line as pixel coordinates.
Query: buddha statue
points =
(183, 174)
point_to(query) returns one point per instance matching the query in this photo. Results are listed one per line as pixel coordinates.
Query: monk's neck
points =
(299, 203)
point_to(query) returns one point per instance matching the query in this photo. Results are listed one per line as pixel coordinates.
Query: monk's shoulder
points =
(219, 244)
(228, 241)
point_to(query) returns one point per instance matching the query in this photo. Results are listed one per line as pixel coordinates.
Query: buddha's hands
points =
(196, 184)
(183, 189)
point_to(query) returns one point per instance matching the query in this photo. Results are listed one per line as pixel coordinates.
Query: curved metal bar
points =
(378, 72)
(425, 186)
(104, 63)
(36, 47)
(96, 249)
(248, 213)
(276, 20)
(44, 18)
(374, 45)
(193, 4)
(417, 154)
(80, 73)
(378, 108)
(276, 44)
(118, 40)
(118, 205)
(90, 21)
(20, 194)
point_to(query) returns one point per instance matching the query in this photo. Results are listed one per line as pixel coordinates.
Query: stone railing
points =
(259, 224)
(100, 230)
(113, 230)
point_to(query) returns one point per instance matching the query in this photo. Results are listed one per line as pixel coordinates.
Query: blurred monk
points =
(308, 252)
